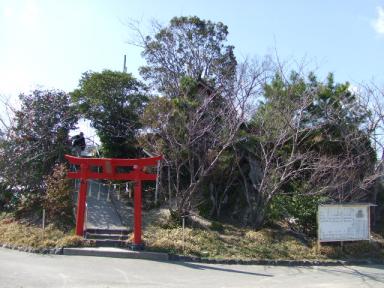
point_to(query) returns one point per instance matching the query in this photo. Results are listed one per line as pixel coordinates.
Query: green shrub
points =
(299, 210)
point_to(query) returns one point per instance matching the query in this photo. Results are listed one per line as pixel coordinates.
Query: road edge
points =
(157, 256)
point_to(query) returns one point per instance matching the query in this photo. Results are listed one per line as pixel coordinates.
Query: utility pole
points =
(125, 64)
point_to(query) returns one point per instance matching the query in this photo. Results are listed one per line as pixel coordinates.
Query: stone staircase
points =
(104, 225)
(108, 237)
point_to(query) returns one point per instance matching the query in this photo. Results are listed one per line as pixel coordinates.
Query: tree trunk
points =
(255, 216)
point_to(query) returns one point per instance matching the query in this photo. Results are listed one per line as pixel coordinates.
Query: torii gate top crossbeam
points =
(109, 168)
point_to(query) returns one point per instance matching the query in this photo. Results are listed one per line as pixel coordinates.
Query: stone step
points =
(108, 231)
(93, 236)
(110, 243)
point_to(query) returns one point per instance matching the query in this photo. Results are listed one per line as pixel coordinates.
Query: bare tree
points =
(272, 155)
(309, 132)
(196, 129)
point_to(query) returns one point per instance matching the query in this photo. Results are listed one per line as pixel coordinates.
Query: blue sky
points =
(50, 43)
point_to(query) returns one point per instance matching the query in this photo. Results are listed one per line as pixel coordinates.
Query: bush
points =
(29, 206)
(58, 199)
(73, 241)
(298, 210)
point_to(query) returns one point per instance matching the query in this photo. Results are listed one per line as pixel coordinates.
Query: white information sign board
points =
(349, 222)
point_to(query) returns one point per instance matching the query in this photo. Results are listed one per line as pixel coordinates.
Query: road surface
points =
(20, 269)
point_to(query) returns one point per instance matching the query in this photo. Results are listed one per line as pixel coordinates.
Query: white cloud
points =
(378, 23)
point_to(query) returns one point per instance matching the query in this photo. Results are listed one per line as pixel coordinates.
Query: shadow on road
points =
(352, 271)
(208, 267)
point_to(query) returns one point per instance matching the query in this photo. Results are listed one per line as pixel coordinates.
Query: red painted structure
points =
(108, 170)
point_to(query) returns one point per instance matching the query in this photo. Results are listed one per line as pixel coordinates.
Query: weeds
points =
(226, 242)
(19, 234)
(244, 243)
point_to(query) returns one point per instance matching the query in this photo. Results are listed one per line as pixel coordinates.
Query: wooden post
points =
(169, 186)
(318, 246)
(43, 219)
(183, 225)
(369, 223)
(43, 224)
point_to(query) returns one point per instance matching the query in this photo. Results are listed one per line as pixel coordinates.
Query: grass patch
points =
(215, 241)
(244, 244)
(232, 242)
(20, 234)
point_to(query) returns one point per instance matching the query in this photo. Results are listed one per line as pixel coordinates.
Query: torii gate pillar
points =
(109, 171)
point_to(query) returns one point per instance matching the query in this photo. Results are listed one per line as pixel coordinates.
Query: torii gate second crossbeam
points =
(107, 168)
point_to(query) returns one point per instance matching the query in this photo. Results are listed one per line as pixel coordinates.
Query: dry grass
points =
(19, 234)
(246, 244)
(242, 243)
(231, 242)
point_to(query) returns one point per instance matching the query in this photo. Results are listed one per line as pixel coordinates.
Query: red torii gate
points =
(109, 171)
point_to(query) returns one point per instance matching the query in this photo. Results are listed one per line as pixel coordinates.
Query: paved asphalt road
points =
(20, 269)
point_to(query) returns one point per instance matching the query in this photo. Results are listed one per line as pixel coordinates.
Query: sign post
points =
(343, 222)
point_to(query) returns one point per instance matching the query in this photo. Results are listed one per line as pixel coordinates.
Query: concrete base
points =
(116, 253)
